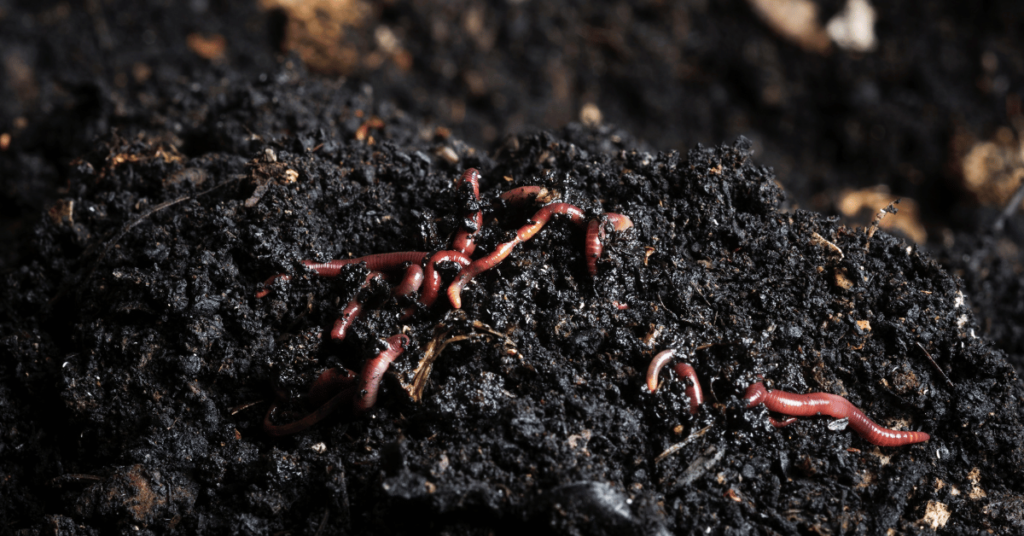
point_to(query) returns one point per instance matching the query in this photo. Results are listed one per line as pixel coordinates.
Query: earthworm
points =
(412, 281)
(351, 311)
(592, 247)
(432, 279)
(658, 363)
(329, 383)
(542, 216)
(528, 194)
(693, 391)
(373, 371)
(336, 380)
(463, 241)
(377, 263)
(523, 234)
(683, 370)
(472, 176)
(780, 424)
(595, 237)
(807, 405)
(620, 222)
(478, 266)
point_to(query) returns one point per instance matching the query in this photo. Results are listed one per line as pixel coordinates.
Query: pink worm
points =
(683, 370)
(463, 241)
(432, 279)
(523, 234)
(351, 311)
(412, 281)
(373, 371)
(832, 405)
(335, 380)
(528, 194)
(595, 237)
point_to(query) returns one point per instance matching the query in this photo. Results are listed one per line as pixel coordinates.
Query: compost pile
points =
(143, 363)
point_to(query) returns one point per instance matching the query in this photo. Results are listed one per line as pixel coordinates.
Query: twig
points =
(675, 448)
(888, 209)
(131, 225)
(323, 522)
(934, 364)
(821, 241)
(438, 343)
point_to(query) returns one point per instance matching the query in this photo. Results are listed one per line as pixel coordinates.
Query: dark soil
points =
(137, 363)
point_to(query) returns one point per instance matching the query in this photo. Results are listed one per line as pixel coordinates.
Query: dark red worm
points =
(592, 246)
(373, 371)
(529, 194)
(523, 234)
(463, 241)
(834, 406)
(595, 237)
(380, 262)
(781, 424)
(351, 311)
(478, 266)
(412, 281)
(683, 370)
(336, 380)
(329, 383)
(542, 216)
(432, 279)
(693, 391)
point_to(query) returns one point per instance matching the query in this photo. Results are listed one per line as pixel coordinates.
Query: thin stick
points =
(821, 241)
(131, 225)
(888, 209)
(936, 365)
(675, 448)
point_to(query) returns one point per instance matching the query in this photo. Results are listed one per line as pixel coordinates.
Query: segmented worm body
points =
(412, 281)
(595, 237)
(463, 241)
(360, 391)
(683, 370)
(693, 391)
(811, 404)
(330, 381)
(592, 246)
(352, 310)
(432, 279)
(524, 233)
(477, 267)
(373, 371)
(334, 388)
(528, 194)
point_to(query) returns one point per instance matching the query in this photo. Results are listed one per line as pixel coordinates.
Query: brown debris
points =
(796, 21)
(209, 47)
(855, 203)
(318, 31)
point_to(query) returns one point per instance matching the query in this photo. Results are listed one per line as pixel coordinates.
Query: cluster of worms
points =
(338, 387)
(790, 404)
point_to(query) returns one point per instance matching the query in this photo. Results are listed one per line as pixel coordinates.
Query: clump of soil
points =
(143, 363)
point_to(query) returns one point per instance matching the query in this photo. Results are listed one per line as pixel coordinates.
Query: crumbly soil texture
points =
(143, 363)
